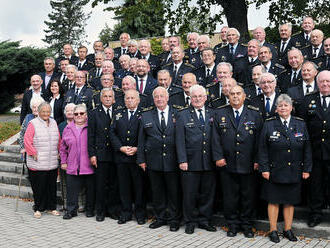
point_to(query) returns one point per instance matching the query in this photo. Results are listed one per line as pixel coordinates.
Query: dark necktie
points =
(143, 57)
(76, 96)
(175, 70)
(208, 72)
(187, 100)
(124, 50)
(64, 77)
(237, 118)
(251, 60)
(285, 123)
(268, 105)
(307, 88)
(231, 52)
(79, 66)
(259, 91)
(294, 77)
(307, 38)
(328, 63)
(314, 52)
(97, 72)
(108, 113)
(201, 118)
(162, 121)
(141, 86)
(324, 103)
(132, 113)
(283, 46)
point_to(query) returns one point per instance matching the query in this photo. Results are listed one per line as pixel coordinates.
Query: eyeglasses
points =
(80, 113)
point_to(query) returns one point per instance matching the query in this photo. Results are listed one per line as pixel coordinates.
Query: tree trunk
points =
(236, 14)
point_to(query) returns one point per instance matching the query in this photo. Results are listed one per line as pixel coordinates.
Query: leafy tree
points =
(66, 24)
(139, 18)
(106, 34)
(17, 65)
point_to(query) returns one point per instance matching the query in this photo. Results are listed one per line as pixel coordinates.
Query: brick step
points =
(13, 179)
(11, 157)
(6, 166)
(10, 148)
(12, 190)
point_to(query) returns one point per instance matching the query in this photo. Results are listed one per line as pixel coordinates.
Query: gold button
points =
(164, 136)
(127, 139)
(287, 138)
(322, 140)
(105, 128)
(204, 151)
(204, 134)
(164, 154)
(237, 135)
(324, 121)
(204, 143)
(107, 144)
(289, 150)
(289, 163)
(237, 152)
(128, 132)
(237, 143)
(164, 145)
(323, 131)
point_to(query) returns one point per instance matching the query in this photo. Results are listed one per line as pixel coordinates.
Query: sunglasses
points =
(80, 113)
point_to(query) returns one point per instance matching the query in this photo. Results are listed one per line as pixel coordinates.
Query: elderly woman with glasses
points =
(285, 158)
(75, 160)
(41, 142)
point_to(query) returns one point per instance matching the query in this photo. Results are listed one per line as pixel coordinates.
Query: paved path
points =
(20, 229)
(9, 118)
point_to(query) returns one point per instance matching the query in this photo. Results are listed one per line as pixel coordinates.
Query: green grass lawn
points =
(8, 129)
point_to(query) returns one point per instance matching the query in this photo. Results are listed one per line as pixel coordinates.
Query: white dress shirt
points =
(165, 114)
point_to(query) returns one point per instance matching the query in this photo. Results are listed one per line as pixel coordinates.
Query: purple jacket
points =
(74, 152)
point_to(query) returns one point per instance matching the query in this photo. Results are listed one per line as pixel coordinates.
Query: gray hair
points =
(100, 54)
(158, 88)
(80, 106)
(146, 41)
(50, 58)
(295, 49)
(197, 87)
(226, 64)
(255, 40)
(132, 42)
(263, 70)
(163, 71)
(131, 79)
(108, 62)
(105, 90)
(204, 36)
(192, 33)
(36, 100)
(288, 24)
(322, 72)
(44, 104)
(69, 105)
(235, 30)
(283, 98)
(124, 56)
(312, 63)
(71, 66)
(267, 74)
(137, 94)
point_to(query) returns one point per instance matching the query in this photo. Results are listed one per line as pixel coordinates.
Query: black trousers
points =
(130, 177)
(74, 184)
(43, 184)
(238, 199)
(198, 188)
(107, 191)
(166, 195)
(318, 186)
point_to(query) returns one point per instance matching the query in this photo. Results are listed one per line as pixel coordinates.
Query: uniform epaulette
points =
(167, 64)
(279, 66)
(295, 34)
(298, 118)
(119, 107)
(177, 106)
(271, 118)
(190, 65)
(311, 93)
(253, 107)
(183, 108)
(177, 86)
(244, 44)
(147, 109)
(117, 89)
(96, 92)
(222, 106)
(210, 84)
(306, 46)
(281, 72)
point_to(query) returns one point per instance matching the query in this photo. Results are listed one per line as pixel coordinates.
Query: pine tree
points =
(66, 24)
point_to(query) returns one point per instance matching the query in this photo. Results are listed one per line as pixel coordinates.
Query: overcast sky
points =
(24, 20)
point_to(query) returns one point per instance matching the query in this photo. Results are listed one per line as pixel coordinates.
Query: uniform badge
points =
(223, 58)
(193, 60)
(298, 44)
(118, 116)
(212, 96)
(251, 131)
(223, 119)
(246, 128)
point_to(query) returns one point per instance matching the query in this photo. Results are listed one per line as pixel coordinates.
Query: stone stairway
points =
(10, 171)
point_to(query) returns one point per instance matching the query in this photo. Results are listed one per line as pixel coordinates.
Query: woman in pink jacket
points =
(75, 160)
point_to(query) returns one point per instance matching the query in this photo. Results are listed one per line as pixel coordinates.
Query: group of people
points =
(191, 131)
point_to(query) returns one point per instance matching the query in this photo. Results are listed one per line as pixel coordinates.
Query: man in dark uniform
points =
(265, 102)
(123, 49)
(260, 35)
(316, 113)
(67, 53)
(182, 98)
(308, 85)
(192, 53)
(284, 45)
(96, 72)
(124, 140)
(107, 68)
(83, 64)
(36, 83)
(98, 47)
(133, 51)
(236, 130)
(70, 72)
(254, 90)
(157, 154)
(223, 37)
(302, 39)
(145, 83)
(265, 57)
(315, 50)
(81, 93)
(166, 51)
(153, 60)
(174, 41)
(164, 79)
(193, 146)
(206, 74)
(292, 77)
(177, 67)
(234, 50)
(109, 54)
(323, 62)
(101, 157)
(124, 66)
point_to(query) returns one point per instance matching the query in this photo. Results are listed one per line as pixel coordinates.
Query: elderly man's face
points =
(67, 50)
(82, 53)
(165, 45)
(160, 98)
(264, 55)
(208, 57)
(192, 41)
(124, 62)
(295, 59)
(144, 48)
(203, 43)
(268, 85)
(63, 65)
(198, 98)
(107, 81)
(98, 46)
(227, 85)
(236, 97)
(107, 98)
(132, 48)
(285, 32)
(316, 38)
(326, 45)
(109, 54)
(232, 37)
(49, 65)
(308, 25)
(123, 40)
(132, 100)
(223, 72)
(132, 65)
(188, 80)
(174, 42)
(98, 60)
(256, 73)
(36, 82)
(223, 34)
(253, 48)
(177, 55)
(259, 34)
(70, 73)
(127, 84)
(164, 79)
(80, 79)
(107, 67)
(142, 67)
(323, 82)
(308, 72)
